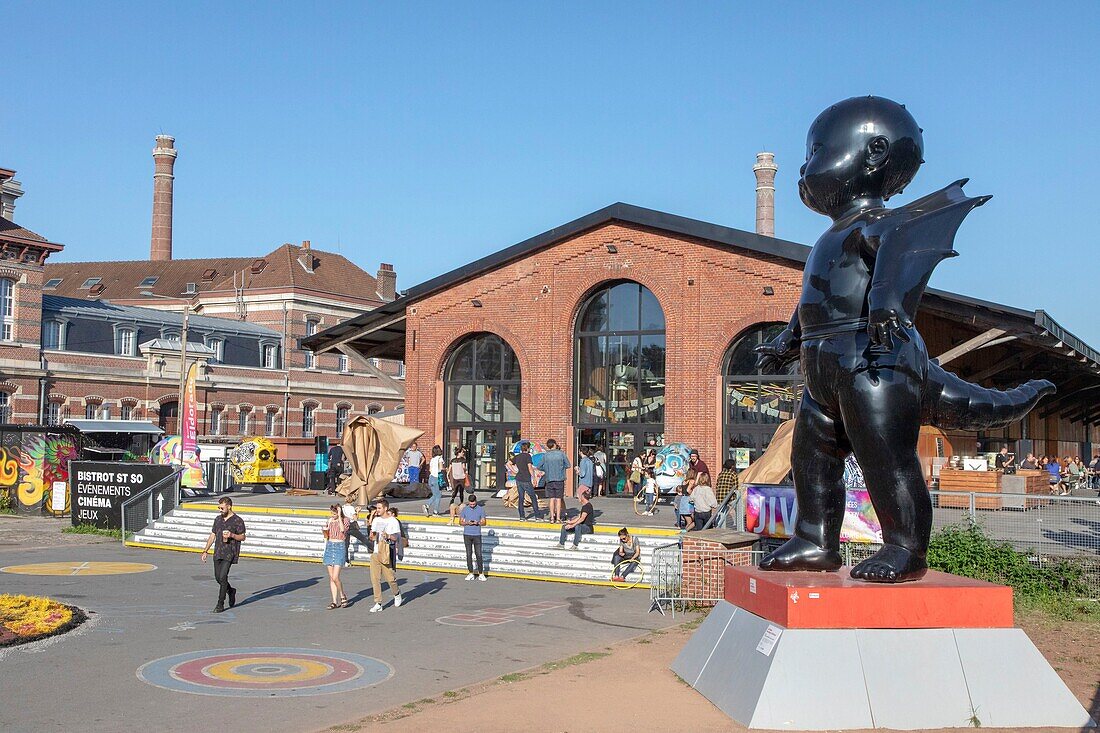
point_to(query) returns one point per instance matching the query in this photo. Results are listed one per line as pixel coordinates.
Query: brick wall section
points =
(709, 296)
(704, 568)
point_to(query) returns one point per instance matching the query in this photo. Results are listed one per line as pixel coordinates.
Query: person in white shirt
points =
(436, 480)
(705, 501)
(384, 531)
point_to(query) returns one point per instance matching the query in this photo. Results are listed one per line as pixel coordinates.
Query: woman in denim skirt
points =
(336, 554)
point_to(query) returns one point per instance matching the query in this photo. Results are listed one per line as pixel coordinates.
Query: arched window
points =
(756, 402)
(5, 408)
(7, 308)
(619, 374)
(341, 420)
(482, 405)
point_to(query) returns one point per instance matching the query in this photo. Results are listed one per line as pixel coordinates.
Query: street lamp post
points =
(183, 357)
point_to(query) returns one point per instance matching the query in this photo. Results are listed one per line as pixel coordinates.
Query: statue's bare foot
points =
(891, 564)
(799, 554)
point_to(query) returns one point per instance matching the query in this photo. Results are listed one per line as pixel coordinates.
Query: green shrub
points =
(6, 504)
(1056, 586)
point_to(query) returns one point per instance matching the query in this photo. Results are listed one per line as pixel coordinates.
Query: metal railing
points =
(297, 472)
(682, 579)
(1048, 529)
(730, 514)
(150, 504)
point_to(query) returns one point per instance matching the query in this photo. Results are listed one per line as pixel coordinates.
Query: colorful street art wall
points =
(32, 464)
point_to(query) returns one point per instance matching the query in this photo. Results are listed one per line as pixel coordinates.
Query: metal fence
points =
(297, 472)
(1048, 529)
(150, 504)
(681, 579)
(219, 478)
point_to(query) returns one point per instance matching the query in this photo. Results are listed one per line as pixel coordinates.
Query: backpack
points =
(598, 467)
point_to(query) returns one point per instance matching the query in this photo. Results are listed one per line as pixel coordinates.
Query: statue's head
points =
(861, 148)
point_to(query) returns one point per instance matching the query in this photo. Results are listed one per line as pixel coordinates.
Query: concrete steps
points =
(511, 548)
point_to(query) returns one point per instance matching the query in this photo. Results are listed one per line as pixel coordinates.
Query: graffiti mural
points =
(32, 464)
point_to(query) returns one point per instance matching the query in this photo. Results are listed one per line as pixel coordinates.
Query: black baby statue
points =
(869, 381)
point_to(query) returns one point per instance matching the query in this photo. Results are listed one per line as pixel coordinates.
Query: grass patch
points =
(7, 504)
(1056, 588)
(409, 705)
(92, 529)
(426, 701)
(582, 658)
(450, 694)
(514, 677)
(644, 641)
(694, 623)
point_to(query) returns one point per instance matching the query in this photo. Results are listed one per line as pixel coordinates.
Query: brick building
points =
(102, 338)
(630, 327)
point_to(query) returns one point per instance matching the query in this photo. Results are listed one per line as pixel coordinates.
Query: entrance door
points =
(619, 446)
(487, 450)
(169, 418)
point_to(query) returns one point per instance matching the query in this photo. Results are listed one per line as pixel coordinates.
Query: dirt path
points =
(629, 687)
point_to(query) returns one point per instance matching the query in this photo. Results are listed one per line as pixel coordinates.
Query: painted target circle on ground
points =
(265, 672)
(77, 568)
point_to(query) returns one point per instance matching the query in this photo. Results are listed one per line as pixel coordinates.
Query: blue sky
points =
(429, 134)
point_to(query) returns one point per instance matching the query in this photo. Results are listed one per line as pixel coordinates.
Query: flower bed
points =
(29, 618)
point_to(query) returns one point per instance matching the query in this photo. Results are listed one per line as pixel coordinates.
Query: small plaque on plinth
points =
(803, 600)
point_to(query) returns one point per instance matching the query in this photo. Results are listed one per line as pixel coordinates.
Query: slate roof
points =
(121, 280)
(103, 310)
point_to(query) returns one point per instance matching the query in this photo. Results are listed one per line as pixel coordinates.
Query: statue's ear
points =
(878, 149)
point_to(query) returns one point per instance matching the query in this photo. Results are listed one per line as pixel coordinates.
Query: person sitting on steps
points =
(580, 525)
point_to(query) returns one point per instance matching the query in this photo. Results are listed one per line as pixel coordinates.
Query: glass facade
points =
(482, 406)
(756, 402)
(619, 375)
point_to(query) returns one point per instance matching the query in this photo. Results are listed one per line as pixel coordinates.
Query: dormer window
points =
(208, 274)
(190, 289)
(148, 282)
(218, 345)
(53, 335)
(52, 283)
(125, 342)
(91, 283)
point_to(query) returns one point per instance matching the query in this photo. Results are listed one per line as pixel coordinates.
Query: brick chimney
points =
(765, 169)
(10, 190)
(387, 282)
(164, 155)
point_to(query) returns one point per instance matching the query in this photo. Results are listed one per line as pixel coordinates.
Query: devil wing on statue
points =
(913, 240)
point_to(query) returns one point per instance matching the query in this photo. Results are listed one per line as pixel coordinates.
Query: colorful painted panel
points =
(33, 464)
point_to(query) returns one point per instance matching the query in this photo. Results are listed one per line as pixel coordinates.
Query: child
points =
(650, 494)
(685, 509)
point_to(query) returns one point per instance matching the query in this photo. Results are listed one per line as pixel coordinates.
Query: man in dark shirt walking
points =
(335, 467)
(226, 535)
(524, 485)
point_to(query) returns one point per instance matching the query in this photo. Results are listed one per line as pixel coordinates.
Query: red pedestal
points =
(835, 601)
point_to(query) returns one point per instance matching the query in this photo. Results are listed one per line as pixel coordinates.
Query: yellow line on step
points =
(411, 519)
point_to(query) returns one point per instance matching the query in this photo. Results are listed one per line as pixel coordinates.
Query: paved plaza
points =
(154, 656)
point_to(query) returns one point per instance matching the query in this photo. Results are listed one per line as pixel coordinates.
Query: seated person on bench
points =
(627, 556)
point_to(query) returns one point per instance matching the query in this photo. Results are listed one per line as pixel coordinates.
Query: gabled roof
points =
(381, 332)
(10, 231)
(114, 313)
(121, 280)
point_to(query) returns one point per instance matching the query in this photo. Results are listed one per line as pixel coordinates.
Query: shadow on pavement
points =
(278, 590)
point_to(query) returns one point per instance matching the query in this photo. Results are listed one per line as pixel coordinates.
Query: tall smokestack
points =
(765, 169)
(164, 154)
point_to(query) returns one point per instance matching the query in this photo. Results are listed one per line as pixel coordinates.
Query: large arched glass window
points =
(756, 402)
(619, 374)
(482, 406)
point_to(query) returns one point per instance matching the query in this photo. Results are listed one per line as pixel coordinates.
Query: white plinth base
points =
(818, 679)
